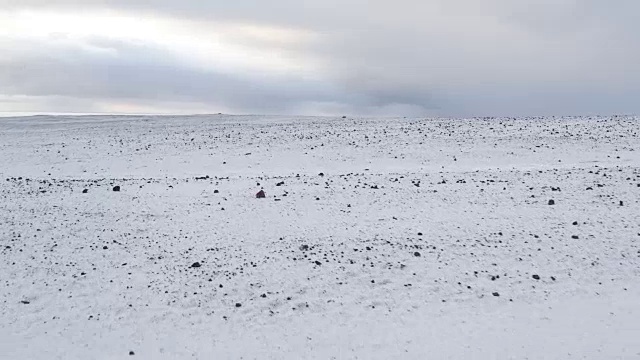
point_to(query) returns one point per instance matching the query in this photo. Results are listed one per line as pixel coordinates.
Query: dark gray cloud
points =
(147, 75)
(456, 57)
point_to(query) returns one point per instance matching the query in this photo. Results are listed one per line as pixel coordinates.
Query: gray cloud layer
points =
(456, 57)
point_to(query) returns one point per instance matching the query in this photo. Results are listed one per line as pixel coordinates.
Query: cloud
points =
(456, 57)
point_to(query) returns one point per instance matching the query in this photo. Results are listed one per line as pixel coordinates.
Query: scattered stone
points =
(304, 247)
(621, 203)
(536, 277)
(552, 202)
(416, 254)
(575, 223)
(496, 294)
(321, 174)
(85, 191)
(318, 263)
(105, 247)
(25, 302)
(575, 237)
(419, 234)
(131, 353)
(261, 194)
(216, 191)
(116, 188)
(196, 265)
(238, 305)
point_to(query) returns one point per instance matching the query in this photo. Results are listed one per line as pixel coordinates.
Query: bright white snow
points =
(395, 251)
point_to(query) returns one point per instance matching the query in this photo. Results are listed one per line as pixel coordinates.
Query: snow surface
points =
(327, 265)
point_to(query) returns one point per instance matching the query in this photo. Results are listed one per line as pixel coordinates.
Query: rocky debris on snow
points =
(330, 250)
(261, 194)
(116, 188)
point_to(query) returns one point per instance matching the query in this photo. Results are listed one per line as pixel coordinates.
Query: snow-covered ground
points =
(378, 238)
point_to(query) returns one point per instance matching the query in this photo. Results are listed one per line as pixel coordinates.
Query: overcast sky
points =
(375, 57)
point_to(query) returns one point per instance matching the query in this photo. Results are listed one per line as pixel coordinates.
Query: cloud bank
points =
(437, 57)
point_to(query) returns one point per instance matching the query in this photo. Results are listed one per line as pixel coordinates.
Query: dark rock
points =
(536, 277)
(419, 234)
(621, 203)
(318, 263)
(195, 265)
(131, 353)
(263, 296)
(575, 237)
(116, 188)
(25, 302)
(304, 247)
(575, 223)
(238, 305)
(85, 191)
(416, 254)
(552, 202)
(496, 294)
(321, 174)
(553, 278)
(216, 191)
(261, 194)
(105, 247)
